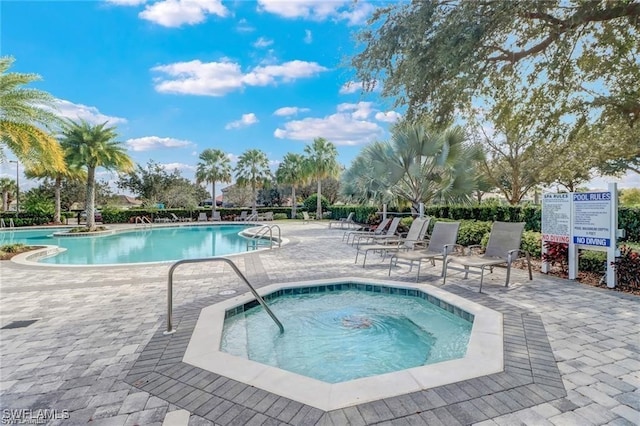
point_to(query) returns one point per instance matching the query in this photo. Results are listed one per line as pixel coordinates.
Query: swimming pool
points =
(339, 335)
(135, 246)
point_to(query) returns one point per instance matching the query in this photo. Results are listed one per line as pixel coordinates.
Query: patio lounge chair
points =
(243, 215)
(202, 217)
(442, 241)
(344, 221)
(503, 247)
(377, 231)
(175, 218)
(414, 238)
(379, 239)
(215, 216)
(305, 217)
(266, 216)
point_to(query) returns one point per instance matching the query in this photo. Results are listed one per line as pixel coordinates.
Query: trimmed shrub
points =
(471, 232)
(592, 261)
(627, 268)
(557, 254)
(310, 203)
(362, 213)
(280, 216)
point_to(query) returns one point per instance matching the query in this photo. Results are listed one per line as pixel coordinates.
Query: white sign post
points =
(556, 221)
(584, 220)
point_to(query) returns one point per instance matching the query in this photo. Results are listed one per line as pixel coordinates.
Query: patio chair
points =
(413, 240)
(503, 248)
(377, 231)
(379, 239)
(266, 216)
(175, 218)
(215, 216)
(441, 243)
(343, 221)
(202, 217)
(305, 217)
(243, 215)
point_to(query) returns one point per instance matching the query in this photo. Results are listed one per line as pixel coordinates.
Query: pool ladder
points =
(261, 235)
(4, 225)
(171, 330)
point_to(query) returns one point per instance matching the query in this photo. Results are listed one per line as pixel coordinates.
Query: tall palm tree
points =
(214, 166)
(7, 187)
(291, 172)
(321, 162)
(420, 164)
(253, 170)
(94, 146)
(25, 117)
(71, 172)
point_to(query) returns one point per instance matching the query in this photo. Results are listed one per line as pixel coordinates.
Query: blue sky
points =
(177, 77)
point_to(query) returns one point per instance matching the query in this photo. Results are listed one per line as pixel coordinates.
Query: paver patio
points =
(572, 353)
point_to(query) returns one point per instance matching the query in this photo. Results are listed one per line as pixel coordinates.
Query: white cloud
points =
(308, 37)
(220, 78)
(245, 121)
(127, 2)
(262, 42)
(388, 117)
(180, 166)
(361, 110)
(90, 114)
(347, 127)
(175, 13)
(353, 87)
(149, 143)
(244, 27)
(287, 111)
(318, 10)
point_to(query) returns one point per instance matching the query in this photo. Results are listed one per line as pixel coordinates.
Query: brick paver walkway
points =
(572, 353)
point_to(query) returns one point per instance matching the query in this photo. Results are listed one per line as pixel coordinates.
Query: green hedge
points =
(26, 219)
(125, 216)
(362, 213)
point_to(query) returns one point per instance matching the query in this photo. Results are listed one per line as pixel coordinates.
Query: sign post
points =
(584, 220)
(556, 221)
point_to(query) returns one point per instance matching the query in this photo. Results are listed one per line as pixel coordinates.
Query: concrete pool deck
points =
(96, 352)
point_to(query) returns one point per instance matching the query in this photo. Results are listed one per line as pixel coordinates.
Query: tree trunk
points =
(319, 201)
(213, 198)
(56, 213)
(89, 204)
(254, 206)
(293, 202)
(5, 200)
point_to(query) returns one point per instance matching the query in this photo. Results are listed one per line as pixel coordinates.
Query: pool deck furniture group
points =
(87, 344)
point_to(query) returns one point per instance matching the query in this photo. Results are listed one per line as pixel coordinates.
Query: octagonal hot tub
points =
(348, 341)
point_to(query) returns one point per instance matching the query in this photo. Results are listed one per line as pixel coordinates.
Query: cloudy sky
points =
(177, 77)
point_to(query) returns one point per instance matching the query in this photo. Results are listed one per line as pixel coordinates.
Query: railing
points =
(143, 221)
(261, 235)
(4, 225)
(171, 330)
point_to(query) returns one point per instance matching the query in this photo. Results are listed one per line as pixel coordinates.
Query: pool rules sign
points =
(587, 220)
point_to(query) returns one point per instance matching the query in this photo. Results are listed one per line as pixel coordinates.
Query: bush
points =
(592, 261)
(362, 213)
(627, 268)
(280, 216)
(12, 248)
(557, 254)
(471, 232)
(311, 203)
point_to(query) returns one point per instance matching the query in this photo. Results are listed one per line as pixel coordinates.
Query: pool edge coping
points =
(484, 356)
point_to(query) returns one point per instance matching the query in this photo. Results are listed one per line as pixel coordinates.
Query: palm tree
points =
(7, 187)
(320, 163)
(71, 172)
(214, 166)
(94, 146)
(25, 116)
(253, 170)
(291, 172)
(420, 164)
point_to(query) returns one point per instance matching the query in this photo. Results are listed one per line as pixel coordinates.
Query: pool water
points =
(136, 246)
(346, 335)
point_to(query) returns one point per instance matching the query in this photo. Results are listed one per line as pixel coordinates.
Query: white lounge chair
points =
(216, 216)
(305, 217)
(379, 230)
(348, 221)
(441, 243)
(202, 217)
(243, 215)
(413, 240)
(503, 248)
(379, 239)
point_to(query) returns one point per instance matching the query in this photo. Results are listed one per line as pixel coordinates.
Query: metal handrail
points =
(262, 231)
(171, 330)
